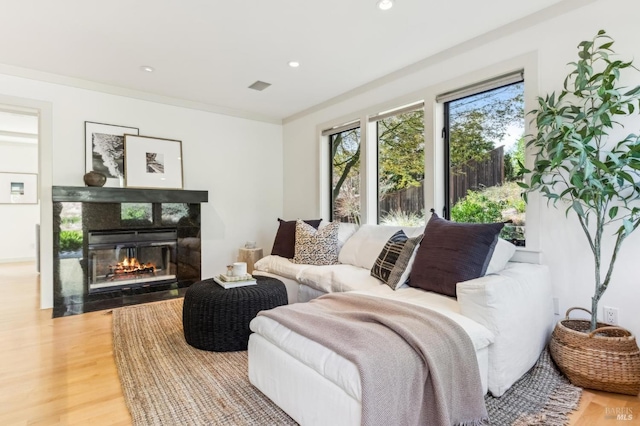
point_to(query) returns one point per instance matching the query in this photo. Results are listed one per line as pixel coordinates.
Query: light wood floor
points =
(61, 371)
(54, 371)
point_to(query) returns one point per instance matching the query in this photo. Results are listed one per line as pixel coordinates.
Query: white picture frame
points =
(18, 188)
(152, 162)
(104, 150)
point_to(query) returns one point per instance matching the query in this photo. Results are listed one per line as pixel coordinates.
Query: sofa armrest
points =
(517, 306)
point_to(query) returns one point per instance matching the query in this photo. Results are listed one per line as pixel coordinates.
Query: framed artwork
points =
(18, 188)
(152, 162)
(104, 150)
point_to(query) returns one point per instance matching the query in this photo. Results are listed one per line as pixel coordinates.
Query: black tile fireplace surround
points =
(159, 227)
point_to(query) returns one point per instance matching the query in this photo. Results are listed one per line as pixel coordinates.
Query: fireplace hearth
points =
(118, 246)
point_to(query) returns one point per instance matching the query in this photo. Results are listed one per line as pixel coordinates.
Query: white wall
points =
(239, 161)
(18, 220)
(551, 44)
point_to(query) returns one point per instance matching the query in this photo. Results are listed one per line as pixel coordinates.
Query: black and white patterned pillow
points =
(394, 261)
(316, 247)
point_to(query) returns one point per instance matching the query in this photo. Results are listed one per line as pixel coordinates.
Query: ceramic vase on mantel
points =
(94, 178)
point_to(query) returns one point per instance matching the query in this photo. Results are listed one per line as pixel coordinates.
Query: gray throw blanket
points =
(417, 367)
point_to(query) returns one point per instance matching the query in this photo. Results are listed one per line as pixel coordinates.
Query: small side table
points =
(250, 256)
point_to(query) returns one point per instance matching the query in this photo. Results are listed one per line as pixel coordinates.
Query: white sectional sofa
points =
(508, 314)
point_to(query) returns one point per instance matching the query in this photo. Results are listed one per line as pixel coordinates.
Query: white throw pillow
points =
(402, 268)
(363, 247)
(345, 231)
(502, 254)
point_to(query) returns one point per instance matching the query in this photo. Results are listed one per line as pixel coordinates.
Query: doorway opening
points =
(19, 184)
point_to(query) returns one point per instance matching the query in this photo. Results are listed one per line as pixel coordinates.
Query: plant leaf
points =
(633, 91)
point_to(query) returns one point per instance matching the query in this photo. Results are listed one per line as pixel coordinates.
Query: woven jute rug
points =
(167, 382)
(543, 396)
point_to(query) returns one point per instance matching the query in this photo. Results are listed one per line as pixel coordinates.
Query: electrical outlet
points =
(556, 306)
(610, 315)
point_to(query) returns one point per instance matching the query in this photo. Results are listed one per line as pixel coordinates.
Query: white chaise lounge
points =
(507, 314)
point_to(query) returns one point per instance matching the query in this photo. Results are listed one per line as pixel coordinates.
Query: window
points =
(484, 137)
(173, 212)
(401, 167)
(345, 151)
(71, 230)
(136, 213)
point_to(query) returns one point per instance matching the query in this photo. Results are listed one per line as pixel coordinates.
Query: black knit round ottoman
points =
(215, 319)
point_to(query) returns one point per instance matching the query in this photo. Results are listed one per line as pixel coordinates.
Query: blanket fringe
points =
(542, 397)
(563, 400)
(478, 422)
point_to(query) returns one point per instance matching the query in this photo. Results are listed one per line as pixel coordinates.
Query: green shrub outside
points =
(494, 204)
(70, 240)
(173, 212)
(476, 207)
(70, 220)
(136, 211)
(512, 233)
(498, 203)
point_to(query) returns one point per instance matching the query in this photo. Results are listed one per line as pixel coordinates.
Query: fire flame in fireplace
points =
(131, 266)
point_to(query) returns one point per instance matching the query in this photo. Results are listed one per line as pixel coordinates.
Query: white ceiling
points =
(209, 51)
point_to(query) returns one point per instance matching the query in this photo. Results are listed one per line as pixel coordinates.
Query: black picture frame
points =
(104, 150)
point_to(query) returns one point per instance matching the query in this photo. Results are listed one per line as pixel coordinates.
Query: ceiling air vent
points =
(259, 85)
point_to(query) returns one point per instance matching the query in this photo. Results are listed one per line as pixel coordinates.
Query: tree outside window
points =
(345, 176)
(486, 153)
(401, 169)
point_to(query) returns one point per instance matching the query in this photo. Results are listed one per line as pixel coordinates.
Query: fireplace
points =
(116, 247)
(125, 259)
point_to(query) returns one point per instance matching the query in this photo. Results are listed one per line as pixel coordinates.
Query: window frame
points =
(434, 174)
(329, 134)
(373, 120)
(466, 92)
(469, 91)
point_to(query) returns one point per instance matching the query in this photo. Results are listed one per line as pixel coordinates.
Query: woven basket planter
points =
(606, 359)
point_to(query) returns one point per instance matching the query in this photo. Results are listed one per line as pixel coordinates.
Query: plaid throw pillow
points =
(394, 261)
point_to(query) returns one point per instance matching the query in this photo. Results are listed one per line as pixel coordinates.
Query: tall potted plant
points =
(596, 176)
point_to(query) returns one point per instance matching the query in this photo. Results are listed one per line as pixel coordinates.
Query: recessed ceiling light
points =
(294, 64)
(385, 4)
(147, 68)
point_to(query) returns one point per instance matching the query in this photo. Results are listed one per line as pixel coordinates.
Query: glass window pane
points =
(173, 212)
(136, 213)
(401, 169)
(486, 150)
(71, 230)
(345, 176)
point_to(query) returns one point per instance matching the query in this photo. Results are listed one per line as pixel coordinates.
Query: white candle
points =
(239, 269)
